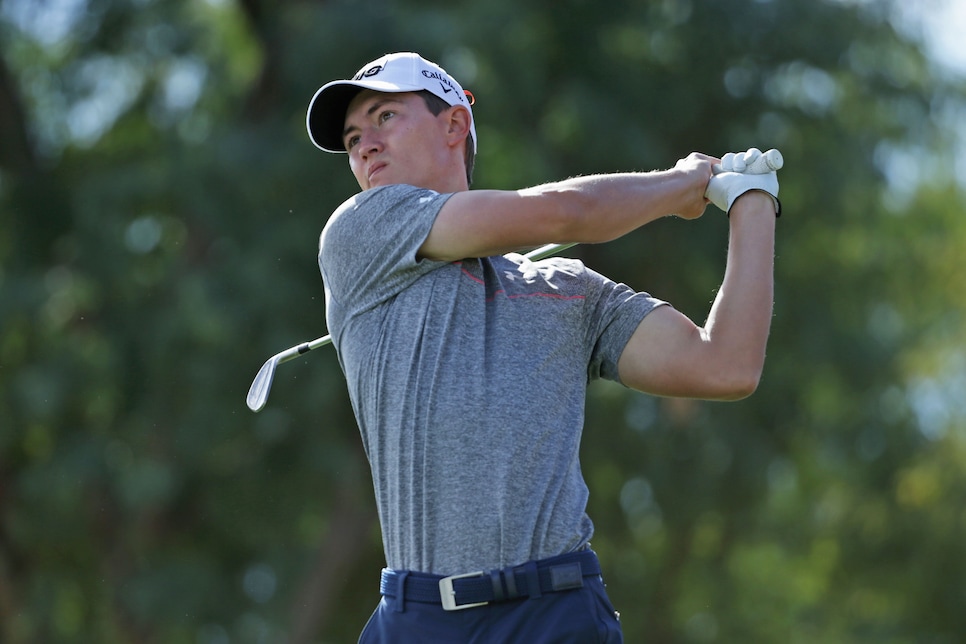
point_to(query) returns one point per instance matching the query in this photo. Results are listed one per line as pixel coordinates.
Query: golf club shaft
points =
(258, 393)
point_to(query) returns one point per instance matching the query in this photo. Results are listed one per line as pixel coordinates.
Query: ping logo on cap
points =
(368, 73)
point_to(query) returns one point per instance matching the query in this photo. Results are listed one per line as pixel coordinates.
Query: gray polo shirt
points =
(468, 382)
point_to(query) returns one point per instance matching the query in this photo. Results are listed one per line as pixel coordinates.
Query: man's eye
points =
(351, 142)
(385, 116)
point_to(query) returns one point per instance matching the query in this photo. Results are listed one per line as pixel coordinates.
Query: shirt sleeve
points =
(368, 248)
(619, 311)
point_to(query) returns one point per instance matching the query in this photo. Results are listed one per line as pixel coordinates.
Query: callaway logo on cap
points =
(393, 73)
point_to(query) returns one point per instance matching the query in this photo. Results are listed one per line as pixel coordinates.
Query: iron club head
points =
(262, 384)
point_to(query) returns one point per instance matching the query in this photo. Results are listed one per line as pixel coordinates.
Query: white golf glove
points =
(742, 172)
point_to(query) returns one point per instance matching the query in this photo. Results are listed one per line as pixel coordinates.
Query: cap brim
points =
(326, 116)
(325, 119)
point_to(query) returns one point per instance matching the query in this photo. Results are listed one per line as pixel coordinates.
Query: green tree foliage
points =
(159, 212)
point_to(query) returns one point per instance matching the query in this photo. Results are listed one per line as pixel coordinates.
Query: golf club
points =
(258, 392)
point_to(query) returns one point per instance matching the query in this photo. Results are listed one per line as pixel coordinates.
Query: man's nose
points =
(369, 143)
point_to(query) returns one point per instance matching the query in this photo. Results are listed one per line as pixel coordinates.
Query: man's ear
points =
(458, 124)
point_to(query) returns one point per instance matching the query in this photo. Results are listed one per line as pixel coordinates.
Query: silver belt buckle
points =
(448, 596)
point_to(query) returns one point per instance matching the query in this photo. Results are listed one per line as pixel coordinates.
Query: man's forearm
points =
(591, 209)
(740, 317)
(601, 208)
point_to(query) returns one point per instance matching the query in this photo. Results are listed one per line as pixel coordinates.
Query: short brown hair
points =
(436, 105)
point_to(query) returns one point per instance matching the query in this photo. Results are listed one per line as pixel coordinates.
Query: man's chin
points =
(382, 181)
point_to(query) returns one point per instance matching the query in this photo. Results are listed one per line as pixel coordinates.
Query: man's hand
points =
(743, 172)
(696, 169)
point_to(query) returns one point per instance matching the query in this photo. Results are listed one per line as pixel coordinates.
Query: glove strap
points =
(778, 203)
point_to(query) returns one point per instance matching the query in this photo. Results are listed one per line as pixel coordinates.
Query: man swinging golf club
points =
(467, 364)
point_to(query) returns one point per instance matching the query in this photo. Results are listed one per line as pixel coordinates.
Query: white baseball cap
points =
(393, 73)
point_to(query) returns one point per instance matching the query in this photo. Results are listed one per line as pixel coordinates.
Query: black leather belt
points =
(457, 592)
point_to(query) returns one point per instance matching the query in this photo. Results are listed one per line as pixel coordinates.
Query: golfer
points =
(467, 364)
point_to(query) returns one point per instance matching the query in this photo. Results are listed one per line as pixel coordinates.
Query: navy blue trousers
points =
(578, 616)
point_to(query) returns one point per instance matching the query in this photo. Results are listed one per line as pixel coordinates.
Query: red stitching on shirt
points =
(468, 274)
(553, 295)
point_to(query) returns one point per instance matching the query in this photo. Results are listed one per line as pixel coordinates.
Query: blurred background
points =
(160, 206)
